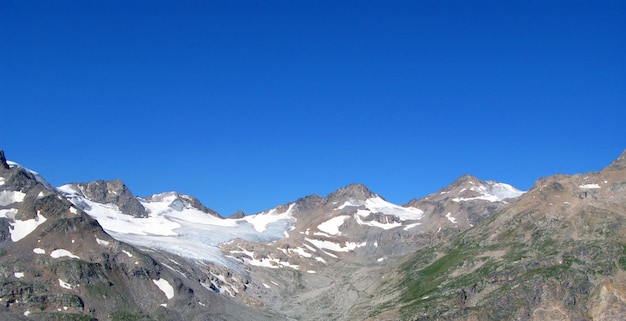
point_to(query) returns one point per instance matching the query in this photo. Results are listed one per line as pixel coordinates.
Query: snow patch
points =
(332, 226)
(589, 186)
(61, 253)
(10, 197)
(38, 250)
(450, 218)
(65, 285)
(384, 226)
(18, 275)
(165, 287)
(127, 253)
(492, 192)
(410, 226)
(102, 242)
(21, 229)
(335, 247)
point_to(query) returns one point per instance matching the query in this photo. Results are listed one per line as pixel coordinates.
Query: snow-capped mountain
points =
(342, 256)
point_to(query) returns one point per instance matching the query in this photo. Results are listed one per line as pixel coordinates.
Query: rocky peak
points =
(179, 202)
(351, 192)
(237, 215)
(3, 160)
(113, 192)
(619, 163)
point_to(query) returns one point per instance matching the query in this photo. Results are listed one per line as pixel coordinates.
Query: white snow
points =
(381, 259)
(10, 197)
(589, 186)
(410, 226)
(332, 225)
(450, 218)
(378, 205)
(19, 275)
(65, 285)
(165, 286)
(61, 253)
(335, 247)
(26, 313)
(127, 253)
(1, 181)
(21, 229)
(300, 251)
(311, 271)
(365, 213)
(184, 230)
(262, 220)
(266, 286)
(102, 242)
(492, 192)
(38, 250)
(73, 210)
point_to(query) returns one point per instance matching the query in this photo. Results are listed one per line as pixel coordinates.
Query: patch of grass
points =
(429, 278)
(622, 259)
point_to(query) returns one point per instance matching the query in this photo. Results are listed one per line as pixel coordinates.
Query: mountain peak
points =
(352, 191)
(619, 163)
(3, 160)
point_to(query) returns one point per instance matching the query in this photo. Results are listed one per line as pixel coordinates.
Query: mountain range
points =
(474, 250)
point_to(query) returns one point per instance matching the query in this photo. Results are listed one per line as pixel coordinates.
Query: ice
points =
(61, 253)
(165, 286)
(184, 231)
(21, 229)
(450, 218)
(589, 186)
(332, 226)
(10, 197)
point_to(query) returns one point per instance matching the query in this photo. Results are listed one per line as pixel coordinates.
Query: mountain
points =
(473, 250)
(557, 253)
(57, 263)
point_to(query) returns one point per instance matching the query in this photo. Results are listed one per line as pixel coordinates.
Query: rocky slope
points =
(557, 253)
(57, 263)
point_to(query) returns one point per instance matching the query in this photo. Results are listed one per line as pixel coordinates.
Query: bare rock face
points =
(113, 192)
(3, 160)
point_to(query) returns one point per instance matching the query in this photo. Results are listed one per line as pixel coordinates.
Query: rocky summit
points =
(474, 250)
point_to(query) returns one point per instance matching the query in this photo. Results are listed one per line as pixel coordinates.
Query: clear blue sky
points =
(251, 104)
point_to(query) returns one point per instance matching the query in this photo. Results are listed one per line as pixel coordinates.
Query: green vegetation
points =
(125, 315)
(622, 259)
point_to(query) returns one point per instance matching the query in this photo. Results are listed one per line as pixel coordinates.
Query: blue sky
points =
(251, 104)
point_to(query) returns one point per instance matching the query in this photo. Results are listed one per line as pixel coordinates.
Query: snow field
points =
(165, 287)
